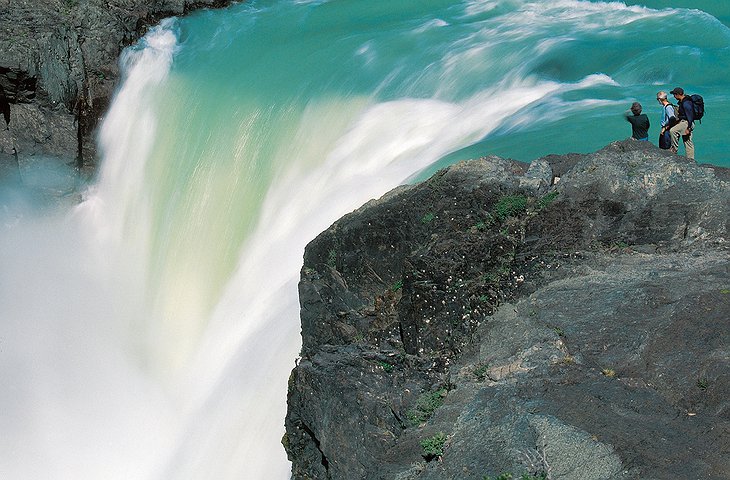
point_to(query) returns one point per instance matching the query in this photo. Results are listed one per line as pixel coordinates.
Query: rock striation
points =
(570, 320)
(59, 68)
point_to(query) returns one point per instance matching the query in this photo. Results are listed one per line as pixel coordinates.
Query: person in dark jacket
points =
(685, 125)
(639, 122)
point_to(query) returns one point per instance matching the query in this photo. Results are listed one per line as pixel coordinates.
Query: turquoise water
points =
(155, 338)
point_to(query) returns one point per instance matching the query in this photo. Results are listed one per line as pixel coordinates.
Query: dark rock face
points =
(59, 68)
(485, 322)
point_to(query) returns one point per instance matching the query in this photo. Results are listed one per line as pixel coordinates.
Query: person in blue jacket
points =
(685, 125)
(667, 120)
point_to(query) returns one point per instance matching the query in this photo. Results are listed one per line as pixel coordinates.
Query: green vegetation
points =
(397, 286)
(702, 384)
(332, 259)
(509, 206)
(425, 406)
(386, 366)
(428, 218)
(481, 371)
(433, 447)
(725, 291)
(512, 206)
(546, 200)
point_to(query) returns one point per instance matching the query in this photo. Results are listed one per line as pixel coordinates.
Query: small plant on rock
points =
(546, 200)
(481, 371)
(387, 367)
(332, 259)
(610, 373)
(509, 206)
(425, 406)
(433, 447)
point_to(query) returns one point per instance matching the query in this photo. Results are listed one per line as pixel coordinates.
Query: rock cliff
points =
(59, 68)
(493, 320)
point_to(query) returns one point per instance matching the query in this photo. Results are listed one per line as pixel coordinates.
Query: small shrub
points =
(481, 371)
(428, 218)
(397, 286)
(546, 200)
(608, 372)
(386, 366)
(702, 384)
(425, 406)
(509, 206)
(332, 259)
(433, 447)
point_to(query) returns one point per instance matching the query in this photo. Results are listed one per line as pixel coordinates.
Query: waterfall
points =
(149, 333)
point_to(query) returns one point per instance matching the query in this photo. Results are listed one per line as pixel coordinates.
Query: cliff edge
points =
(570, 320)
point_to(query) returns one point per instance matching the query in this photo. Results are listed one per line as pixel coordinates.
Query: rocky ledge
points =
(58, 71)
(494, 321)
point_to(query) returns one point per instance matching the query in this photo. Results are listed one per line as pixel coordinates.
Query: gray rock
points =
(59, 67)
(581, 333)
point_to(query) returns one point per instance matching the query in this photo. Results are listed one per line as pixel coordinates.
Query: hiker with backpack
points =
(684, 127)
(668, 119)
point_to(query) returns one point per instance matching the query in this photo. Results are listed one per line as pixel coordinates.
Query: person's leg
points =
(689, 145)
(675, 132)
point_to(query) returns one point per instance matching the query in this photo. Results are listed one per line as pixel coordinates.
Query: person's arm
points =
(664, 124)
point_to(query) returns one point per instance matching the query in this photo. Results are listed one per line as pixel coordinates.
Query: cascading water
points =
(149, 334)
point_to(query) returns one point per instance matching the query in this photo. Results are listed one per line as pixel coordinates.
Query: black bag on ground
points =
(665, 140)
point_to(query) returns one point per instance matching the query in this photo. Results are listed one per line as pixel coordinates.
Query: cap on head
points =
(677, 91)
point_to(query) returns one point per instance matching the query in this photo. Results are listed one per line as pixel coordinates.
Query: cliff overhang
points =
(569, 320)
